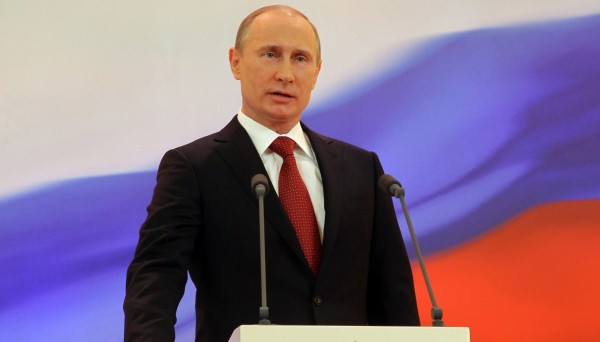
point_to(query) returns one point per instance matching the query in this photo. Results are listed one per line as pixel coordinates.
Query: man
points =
(342, 263)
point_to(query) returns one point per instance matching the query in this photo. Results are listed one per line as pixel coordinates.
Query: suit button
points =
(317, 300)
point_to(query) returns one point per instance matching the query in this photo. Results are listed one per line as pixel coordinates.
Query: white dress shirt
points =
(262, 137)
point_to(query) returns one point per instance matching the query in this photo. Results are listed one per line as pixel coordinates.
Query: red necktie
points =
(297, 204)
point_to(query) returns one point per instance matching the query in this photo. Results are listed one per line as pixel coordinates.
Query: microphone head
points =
(260, 184)
(390, 185)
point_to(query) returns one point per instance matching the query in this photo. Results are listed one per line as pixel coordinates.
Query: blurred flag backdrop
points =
(488, 112)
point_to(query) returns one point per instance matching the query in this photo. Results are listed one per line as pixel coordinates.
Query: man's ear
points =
(317, 74)
(234, 62)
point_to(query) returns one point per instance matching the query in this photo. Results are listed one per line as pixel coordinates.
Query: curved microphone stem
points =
(436, 312)
(391, 186)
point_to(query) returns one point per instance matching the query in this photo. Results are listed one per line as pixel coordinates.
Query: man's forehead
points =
(284, 28)
(280, 18)
(294, 49)
(280, 32)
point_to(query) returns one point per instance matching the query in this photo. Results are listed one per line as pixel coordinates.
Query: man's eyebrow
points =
(270, 48)
(277, 48)
(303, 52)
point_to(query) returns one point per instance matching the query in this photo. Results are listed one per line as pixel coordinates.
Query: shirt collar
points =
(262, 137)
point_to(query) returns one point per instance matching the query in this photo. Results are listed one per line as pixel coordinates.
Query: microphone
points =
(260, 187)
(392, 187)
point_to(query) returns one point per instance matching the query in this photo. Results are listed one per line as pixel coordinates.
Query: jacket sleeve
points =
(157, 275)
(391, 294)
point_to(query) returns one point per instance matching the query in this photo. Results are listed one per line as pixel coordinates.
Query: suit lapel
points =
(332, 172)
(238, 152)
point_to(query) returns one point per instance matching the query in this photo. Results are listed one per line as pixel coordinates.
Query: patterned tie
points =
(297, 204)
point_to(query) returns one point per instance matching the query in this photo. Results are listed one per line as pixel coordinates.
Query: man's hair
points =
(244, 28)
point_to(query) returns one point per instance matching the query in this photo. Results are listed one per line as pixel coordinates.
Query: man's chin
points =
(282, 122)
(284, 113)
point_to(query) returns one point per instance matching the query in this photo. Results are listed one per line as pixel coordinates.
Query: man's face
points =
(277, 69)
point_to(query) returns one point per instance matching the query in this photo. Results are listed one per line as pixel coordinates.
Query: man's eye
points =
(269, 54)
(301, 59)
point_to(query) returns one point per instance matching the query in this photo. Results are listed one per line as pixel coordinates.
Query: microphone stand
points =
(260, 186)
(393, 187)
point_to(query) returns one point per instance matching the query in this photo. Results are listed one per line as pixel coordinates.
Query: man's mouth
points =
(277, 93)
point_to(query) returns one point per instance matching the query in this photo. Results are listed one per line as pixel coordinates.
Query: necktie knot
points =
(283, 146)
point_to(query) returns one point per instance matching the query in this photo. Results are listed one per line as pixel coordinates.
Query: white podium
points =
(313, 333)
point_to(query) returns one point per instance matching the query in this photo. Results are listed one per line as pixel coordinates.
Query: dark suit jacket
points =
(203, 218)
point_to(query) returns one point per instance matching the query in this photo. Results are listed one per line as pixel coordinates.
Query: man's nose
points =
(285, 72)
